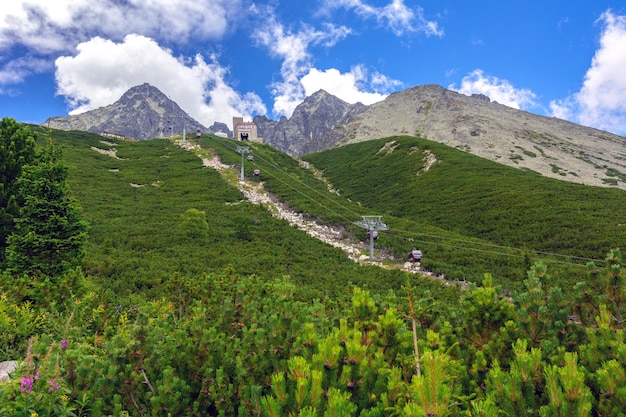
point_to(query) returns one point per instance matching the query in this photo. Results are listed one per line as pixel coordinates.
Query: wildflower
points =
(63, 344)
(33, 414)
(53, 386)
(27, 384)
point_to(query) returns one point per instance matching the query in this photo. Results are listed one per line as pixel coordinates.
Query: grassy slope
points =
(137, 242)
(464, 213)
(478, 198)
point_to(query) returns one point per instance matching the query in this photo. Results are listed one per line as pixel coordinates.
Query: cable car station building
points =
(245, 130)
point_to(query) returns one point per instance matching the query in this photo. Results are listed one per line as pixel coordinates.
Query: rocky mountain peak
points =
(549, 146)
(311, 127)
(142, 112)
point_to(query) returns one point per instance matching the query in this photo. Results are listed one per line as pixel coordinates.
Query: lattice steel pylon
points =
(243, 150)
(371, 224)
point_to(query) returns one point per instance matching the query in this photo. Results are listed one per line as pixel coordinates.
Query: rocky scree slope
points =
(311, 127)
(549, 146)
(143, 112)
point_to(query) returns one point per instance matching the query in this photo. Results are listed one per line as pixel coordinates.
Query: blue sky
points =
(221, 58)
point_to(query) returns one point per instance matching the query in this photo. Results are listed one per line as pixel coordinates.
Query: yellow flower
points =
(34, 415)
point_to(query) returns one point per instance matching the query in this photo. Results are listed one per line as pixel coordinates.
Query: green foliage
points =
(477, 199)
(39, 386)
(486, 329)
(17, 149)
(193, 224)
(543, 314)
(18, 322)
(433, 392)
(567, 393)
(49, 233)
(515, 390)
(194, 302)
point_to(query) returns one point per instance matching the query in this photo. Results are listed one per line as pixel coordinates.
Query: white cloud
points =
(103, 70)
(396, 15)
(45, 26)
(496, 89)
(349, 86)
(293, 49)
(601, 102)
(299, 76)
(17, 69)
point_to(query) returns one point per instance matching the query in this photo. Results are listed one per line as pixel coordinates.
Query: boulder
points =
(6, 369)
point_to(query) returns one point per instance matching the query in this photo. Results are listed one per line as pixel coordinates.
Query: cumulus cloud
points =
(496, 89)
(293, 49)
(45, 28)
(396, 15)
(299, 77)
(601, 102)
(102, 70)
(351, 87)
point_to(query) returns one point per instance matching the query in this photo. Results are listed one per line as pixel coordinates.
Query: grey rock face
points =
(549, 146)
(6, 369)
(143, 112)
(220, 127)
(311, 127)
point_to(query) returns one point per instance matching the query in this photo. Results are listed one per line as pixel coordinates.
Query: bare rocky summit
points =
(549, 146)
(311, 127)
(143, 112)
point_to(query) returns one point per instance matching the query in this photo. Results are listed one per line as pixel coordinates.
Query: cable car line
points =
(394, 235)
(495, 246)
(498, 253)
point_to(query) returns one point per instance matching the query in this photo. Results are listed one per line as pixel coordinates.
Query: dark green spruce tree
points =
(17, 148)
(49, 234)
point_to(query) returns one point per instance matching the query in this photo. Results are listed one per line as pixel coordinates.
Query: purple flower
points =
(53, 386)
(27, 385)
(63, 344)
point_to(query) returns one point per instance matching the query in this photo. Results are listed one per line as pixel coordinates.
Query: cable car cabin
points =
(198, 133)
(256, 172)
(250, 158)
(415, 255)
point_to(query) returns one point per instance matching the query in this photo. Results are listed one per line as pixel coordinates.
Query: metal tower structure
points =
(371, 224)
(243, 150)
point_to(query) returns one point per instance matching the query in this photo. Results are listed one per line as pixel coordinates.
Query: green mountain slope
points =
(477, 198)
(470, 216)
(156, 213)
(184, 308)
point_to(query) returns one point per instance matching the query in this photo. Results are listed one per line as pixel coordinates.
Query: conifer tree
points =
(542, 311)
(17, 148)
(49, 232)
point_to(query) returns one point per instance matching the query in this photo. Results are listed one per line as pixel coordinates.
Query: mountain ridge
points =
(142, 112)
(548, 146)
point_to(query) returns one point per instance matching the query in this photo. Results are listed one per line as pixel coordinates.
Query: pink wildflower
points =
(63, 344)
(53, 386)
(27, 385)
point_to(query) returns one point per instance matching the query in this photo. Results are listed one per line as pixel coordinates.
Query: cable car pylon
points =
(372, 224)
(242, 150)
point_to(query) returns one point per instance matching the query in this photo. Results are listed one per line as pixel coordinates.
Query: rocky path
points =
(334, 236)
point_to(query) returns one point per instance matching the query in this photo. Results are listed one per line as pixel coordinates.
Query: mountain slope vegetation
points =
(138, 203)
(192, 301)
(477, 198)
